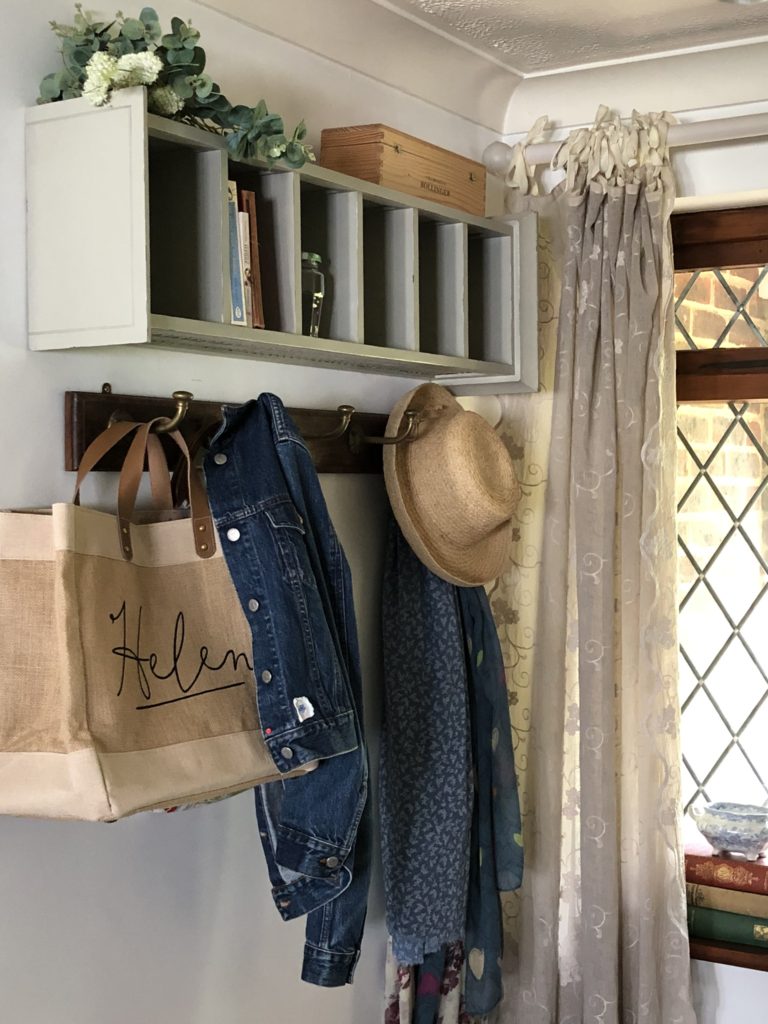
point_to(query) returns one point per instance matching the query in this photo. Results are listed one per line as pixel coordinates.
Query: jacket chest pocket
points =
(289, 534)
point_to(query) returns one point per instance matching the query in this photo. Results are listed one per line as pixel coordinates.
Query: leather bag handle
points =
(159, 476)
(195, 444)
(201, 520)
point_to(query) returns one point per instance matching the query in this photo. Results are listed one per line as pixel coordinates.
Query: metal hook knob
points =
(182, 399)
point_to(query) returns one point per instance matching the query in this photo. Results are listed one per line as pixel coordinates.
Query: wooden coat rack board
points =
(87, 413)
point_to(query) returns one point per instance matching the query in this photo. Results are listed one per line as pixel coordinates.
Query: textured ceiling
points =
(541, 36)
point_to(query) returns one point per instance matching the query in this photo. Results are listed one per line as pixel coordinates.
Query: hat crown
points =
(453, 489)
(463, 481)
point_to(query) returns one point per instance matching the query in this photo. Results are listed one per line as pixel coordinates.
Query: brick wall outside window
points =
(709, 300)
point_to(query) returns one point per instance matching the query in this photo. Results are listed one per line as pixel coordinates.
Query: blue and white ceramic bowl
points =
(734, 828)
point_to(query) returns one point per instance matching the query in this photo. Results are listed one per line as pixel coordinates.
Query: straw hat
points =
(453, 490)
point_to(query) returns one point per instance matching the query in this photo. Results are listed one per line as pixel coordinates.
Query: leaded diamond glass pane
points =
(736, 684)
(723, 573)
(687, 574)
(737, 469)
(755, 632)
(735, 779)
(755, 524)
(753, 741)
(688, 786)
(688, 681)
(698, 432)
(707, 526)
(722, 308)
(700, 719)
(687, 470)
(704, 629)
(736, 561)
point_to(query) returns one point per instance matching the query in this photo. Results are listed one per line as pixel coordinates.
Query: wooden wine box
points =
(389, 157)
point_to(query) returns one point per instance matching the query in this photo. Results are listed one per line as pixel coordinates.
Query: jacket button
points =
(286, 752)
(253, 605)
(220, 458)
(331, 862)
(266, 676)
(233, 534)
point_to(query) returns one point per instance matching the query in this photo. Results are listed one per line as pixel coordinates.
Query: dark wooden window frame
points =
(705, 241)
(708, 240)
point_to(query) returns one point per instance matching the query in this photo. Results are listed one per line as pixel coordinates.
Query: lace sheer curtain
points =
(598, 933)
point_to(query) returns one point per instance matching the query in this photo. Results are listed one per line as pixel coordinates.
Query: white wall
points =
(389, 47)
(727, 995)
(169, 918)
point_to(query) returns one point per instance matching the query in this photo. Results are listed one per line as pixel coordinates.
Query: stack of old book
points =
(727, 896)
(244, 261)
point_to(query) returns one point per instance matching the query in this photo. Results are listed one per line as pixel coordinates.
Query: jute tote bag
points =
(126, 677)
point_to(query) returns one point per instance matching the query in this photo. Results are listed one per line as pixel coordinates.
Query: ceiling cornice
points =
(543, 37)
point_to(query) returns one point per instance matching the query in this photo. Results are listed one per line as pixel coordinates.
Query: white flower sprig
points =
(164, 100)
(105, 73)
(100, 73)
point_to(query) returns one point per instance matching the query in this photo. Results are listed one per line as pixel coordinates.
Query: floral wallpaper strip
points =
(525, 428)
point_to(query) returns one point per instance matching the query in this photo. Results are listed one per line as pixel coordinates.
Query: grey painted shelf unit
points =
(414, 288)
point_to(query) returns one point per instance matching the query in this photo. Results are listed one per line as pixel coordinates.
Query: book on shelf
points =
(732, 901)
(721, 926)
(703, 867)
(244, 241)
(248, 206)
(237, 302)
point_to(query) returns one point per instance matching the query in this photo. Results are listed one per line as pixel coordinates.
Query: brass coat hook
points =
(357, 438)
(346, 412)
(407, 433)
(182, 399)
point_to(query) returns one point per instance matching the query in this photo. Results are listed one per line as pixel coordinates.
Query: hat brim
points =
(464, 567)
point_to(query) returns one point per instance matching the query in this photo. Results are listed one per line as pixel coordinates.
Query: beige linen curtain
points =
(587, 610)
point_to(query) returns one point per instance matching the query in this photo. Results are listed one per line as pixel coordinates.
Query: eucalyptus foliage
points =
(183, 90)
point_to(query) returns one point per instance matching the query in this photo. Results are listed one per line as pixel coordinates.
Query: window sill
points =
(750, 957)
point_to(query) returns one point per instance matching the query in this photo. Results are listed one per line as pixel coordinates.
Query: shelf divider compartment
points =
(188, 231)
(390, 273)
(278, 224)
(443, 321)
(332, 226)
(491, 297)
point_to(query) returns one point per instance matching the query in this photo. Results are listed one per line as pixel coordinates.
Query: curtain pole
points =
(725, 129)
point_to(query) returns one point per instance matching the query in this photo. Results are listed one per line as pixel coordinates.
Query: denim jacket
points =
(294, 585)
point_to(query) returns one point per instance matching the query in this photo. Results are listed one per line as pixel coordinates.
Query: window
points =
(721, 320)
